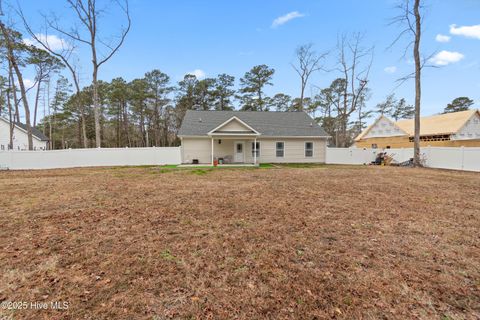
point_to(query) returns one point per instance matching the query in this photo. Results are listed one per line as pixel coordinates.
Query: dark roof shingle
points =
(268, 123)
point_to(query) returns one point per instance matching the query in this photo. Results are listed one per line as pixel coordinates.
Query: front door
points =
(239, 149)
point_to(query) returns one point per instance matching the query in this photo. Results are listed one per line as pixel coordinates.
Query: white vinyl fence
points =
(70, 158)
(435, 157)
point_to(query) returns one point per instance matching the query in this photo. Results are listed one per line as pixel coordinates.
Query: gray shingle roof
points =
(268, 124)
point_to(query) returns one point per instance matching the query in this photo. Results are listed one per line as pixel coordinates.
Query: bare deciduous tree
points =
(88, 15)
(308, 62)
(65, 54)
(355, 73)
(410, 17)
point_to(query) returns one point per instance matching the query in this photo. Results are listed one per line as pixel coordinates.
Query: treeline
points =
(148, 111)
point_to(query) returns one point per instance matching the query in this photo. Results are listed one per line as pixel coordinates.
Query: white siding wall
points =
(223, 149)
(196, 148)
(471, 130)
(294, 151)
(20, 138)
(234, 125)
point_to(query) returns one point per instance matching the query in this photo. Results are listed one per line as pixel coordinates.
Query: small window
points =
(280, 149)
(388, 147)
(3, 147)
(256, 149)
(239, 148)
(308, 149)
(374, 146)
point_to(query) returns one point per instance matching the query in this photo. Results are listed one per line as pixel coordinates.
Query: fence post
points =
(429, 155)
(462, 148)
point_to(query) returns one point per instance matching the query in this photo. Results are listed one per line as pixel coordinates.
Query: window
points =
(280, 149)
(308, 149)
(3, 147)
(374, 146)
(239, 148)
(256, 149)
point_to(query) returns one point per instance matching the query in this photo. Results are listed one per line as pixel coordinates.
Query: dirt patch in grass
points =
(329, 242)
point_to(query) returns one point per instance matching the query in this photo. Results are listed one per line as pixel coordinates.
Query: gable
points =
(470, 130)
(234, 125)
(382, 127)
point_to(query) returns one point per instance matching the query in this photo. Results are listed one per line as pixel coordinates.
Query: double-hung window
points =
(256, 149)
(280, 149)
(308, 149)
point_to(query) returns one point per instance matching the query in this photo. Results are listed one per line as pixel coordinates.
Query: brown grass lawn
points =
(287, 243)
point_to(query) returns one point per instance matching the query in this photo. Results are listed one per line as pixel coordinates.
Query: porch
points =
(234, 150)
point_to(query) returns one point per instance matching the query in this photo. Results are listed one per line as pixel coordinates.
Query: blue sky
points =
(219, 36)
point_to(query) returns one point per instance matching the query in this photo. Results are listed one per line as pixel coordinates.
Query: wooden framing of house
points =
(445, 130)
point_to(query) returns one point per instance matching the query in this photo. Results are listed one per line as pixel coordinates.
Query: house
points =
(20, 137)
(251, 137)
(444, 130)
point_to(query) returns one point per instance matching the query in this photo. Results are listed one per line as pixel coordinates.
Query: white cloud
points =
(285, 18)
(466, 31)
(55, 43)
(391, 69)
(442, 38)
(26, 82)
(444, 58)
(200, 74)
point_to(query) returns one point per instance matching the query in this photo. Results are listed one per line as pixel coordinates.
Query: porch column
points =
(255, 151)
(212, 151)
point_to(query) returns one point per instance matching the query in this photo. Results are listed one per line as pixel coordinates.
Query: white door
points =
(239, 152)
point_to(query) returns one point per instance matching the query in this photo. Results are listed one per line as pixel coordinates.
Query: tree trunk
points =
(37, 97)
(125, 123)
(16, 117)
(10, 117)
(418, 89)
(302, 93)
(25, 105)
(84, 129)
(142, 130)
(96, 110)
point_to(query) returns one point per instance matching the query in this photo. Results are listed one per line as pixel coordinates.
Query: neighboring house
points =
(20, 137)
(251, 137)
(444, 130)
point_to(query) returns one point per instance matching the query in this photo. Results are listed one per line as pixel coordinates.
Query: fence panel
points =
(350, 155)
(460, 158)
(89, 158)
(471, 159)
